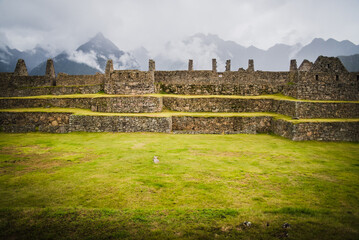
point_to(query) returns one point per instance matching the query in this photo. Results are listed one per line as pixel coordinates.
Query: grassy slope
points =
(98, 185)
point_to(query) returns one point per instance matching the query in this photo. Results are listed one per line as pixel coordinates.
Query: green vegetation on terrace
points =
(78, 111)
(105, 185)
(98, 95)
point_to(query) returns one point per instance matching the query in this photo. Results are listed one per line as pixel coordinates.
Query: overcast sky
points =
(65, 24)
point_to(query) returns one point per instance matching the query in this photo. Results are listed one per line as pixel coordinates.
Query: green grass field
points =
(106, 186)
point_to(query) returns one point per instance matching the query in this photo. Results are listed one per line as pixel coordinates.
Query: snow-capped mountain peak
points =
(91, 57)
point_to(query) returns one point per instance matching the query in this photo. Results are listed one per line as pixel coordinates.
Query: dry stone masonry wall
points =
(67, 122)
(34, 121)
(128, 104)
(325, 79)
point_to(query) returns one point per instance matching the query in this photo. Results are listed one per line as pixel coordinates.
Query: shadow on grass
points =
(35, 223)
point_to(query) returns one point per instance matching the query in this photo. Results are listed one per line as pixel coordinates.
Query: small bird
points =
(155, 160)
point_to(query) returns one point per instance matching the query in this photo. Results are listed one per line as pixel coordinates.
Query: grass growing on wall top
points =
(103, 185)
(98, 95)
(167, 113)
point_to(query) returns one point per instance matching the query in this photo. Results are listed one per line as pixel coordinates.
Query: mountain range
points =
(91, 56)
(202, 48)
(88, 58)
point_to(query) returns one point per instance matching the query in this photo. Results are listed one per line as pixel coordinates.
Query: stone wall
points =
(67, 122)
(324, 86)
(327, 79)
(119, 124)
(217, 125)
(8, 81)
(221, 89)
(295, 109)
(326, 131)
(282, 128)
(284, 107)
(79, 80)
(84, 103)
(34, 121)
(217, 83)
(11, 85)
(128, 104)
(217, 104)
(57, 90)
(216, 78)
(303, 110)
(138, 104)
(327, 110)
(130, 82)
(5, 80)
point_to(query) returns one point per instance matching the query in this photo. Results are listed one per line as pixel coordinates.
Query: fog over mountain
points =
(9, 57)
(351, 62)
(330, 47)
(202, 48)
(91, 56)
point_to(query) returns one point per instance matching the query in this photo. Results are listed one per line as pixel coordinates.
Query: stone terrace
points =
(321, 102)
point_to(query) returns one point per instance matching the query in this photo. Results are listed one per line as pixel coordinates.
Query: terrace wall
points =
(99, 104)
(16, 122)
(66, 122)
(119, 124)
(217, 104)
(58, 90)
(138, 104)
(217, 125)
(326, 131)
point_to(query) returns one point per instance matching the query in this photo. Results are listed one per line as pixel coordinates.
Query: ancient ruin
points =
(317, 101)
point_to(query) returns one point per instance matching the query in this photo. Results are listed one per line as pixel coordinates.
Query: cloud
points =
(89, 58)
(125, 61)
(193, 48)
(3, 42)
(130, 24)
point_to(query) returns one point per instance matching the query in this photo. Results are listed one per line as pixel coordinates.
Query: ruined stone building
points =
(317, 101)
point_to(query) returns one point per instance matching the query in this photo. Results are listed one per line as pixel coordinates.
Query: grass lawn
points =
(105, 185)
